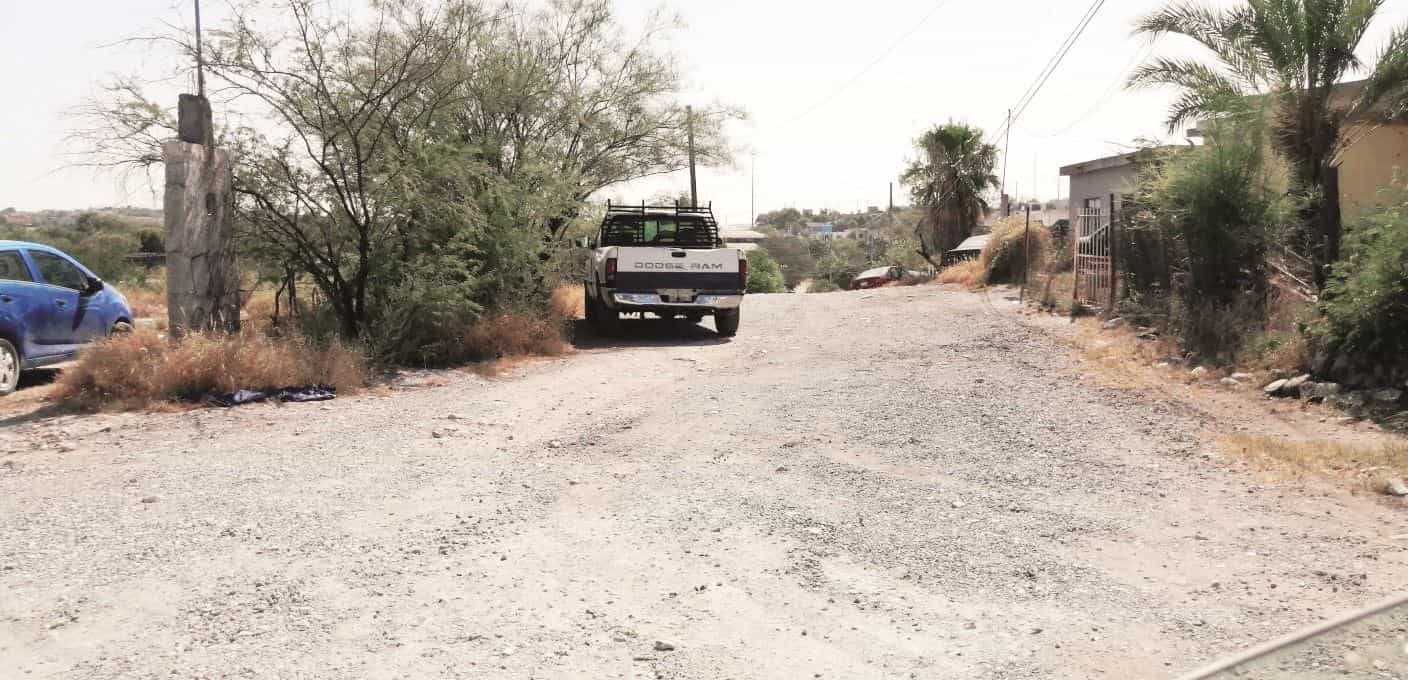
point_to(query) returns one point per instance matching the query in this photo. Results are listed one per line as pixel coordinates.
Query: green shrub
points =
(103, 243)
(839, 261)
(793, 257)
(904, 251)
(1365, 305)
(764, 274)
(823, 286)
(1195, 239)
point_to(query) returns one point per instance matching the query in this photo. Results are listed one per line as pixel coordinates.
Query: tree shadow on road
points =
(647, 333)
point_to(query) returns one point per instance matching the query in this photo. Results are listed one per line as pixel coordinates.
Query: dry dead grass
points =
(147, 302)
(1281, 344)
(1370, 465)
(509, 334)
(1005, 256)
(258, 308)
(1057, 291)
(1119, 358)
(970, 274)
(144, 369)
(568, 302)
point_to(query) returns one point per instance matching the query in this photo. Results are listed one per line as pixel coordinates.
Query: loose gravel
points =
(907, 483)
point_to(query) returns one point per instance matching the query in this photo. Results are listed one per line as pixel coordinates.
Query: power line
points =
(1104, 98)
(869, 67)
(1052, 64)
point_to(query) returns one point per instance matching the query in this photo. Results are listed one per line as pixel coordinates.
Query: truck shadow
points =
(647, 333)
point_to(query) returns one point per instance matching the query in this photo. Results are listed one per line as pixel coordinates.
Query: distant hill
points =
(137, 217)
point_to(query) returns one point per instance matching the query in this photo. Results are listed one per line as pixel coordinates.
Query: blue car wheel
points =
(9, 368)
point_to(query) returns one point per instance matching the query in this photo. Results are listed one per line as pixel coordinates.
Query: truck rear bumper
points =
(651, 302)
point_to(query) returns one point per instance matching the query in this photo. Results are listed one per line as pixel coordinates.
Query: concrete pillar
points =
(202, 283)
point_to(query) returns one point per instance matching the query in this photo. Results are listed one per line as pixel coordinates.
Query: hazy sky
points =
(819, 142)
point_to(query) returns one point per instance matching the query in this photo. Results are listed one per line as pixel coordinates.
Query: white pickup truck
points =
(666, 261)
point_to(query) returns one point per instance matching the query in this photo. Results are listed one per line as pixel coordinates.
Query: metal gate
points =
(1094, 285)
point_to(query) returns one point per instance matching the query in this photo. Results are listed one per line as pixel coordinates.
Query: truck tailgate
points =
(656, 268)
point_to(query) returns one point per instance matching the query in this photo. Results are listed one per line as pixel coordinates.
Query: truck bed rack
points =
(694, 226)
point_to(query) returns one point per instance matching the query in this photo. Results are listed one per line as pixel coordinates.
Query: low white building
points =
(742, 239)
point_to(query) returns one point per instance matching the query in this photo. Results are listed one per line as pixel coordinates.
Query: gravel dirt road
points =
(907, 483)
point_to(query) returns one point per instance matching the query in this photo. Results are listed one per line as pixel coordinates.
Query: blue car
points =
(50, 307)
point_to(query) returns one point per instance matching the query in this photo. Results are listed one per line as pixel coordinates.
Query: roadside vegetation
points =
(969, 274)
(408, 181)
(1365, 306)
(764, 273)
(145, 369)
(1013, 251)
(115, 243)
(1195, 242)
(949, 180)
(425, 100)
(1217, 232)
(1376, 467)
(866, 240)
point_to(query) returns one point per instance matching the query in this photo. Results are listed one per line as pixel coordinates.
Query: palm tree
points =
(950, 179)
(1293, 52)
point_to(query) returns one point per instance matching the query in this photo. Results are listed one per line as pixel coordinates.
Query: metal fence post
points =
(1114, 255)
(1026, 255)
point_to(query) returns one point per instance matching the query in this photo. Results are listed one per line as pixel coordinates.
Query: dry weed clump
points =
(1119, 358)
(1283, 341)
(1370, 465)
(1056, 291)
(144, 369)
(258, 309)
(970, 274)
(510, 334)
(568, 302)
(1005, 257)
(147, 302)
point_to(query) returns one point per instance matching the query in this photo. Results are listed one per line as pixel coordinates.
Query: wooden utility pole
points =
(892, 196)
(200, 56)
(693, 186)
(753, 194)
(1006, 147)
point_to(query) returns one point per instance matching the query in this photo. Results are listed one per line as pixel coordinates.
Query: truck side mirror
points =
(586, 242)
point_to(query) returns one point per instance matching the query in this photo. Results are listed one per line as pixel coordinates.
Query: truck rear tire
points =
(726, 322)
(589, 309)
(605, 321)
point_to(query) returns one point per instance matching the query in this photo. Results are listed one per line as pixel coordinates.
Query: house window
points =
(1094, 205)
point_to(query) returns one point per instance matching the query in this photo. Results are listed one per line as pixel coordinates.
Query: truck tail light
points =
(743, 275)
(610, 271)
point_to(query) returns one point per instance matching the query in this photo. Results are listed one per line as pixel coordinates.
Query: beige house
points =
(1369, 165)
(1376, 151)
(1377, 148)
